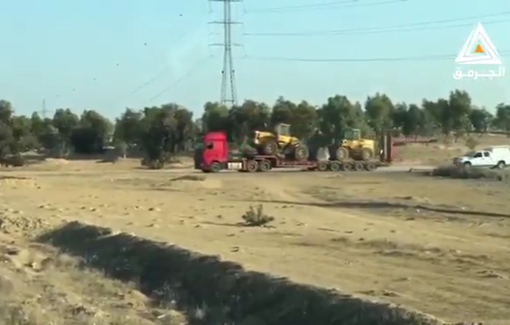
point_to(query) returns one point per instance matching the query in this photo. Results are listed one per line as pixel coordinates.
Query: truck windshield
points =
(470, 154)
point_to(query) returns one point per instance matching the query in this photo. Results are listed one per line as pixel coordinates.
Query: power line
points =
(438, 57)
(424, 25)
(307, 6)
(149, 81)
(197, 68)
(228, 81)
(324, 6)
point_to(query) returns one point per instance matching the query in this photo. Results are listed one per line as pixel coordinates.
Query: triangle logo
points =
(478, 49)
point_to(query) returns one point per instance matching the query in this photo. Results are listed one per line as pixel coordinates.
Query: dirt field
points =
(436, 245)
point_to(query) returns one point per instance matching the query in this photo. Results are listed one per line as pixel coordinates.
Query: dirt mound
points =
(226, 292)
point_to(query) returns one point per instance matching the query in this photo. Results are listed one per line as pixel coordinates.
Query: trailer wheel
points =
(264, 166)
(347, 167)
(252, 166)
(370, 166)
(358, 166)
(322, 166)
(335, 166)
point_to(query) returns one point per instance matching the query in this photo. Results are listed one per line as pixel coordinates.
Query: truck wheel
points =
(501, 165)
(342, 153)
(252, 166)
(322, 166)
(268, 146)
(366, 154)
(335, 166)
(215, 167)
(358, 166)
(264, 166)
(370, 166)
(467, 165)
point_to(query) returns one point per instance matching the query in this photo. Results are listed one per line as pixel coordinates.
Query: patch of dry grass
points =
(40, 286)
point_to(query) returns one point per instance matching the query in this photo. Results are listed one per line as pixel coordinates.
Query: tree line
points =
(168, 129)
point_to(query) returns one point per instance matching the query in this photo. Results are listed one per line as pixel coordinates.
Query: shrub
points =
(459, 172)
(256, 217)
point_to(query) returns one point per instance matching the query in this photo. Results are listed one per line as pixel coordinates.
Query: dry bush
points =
(256, 217)
(471, 173)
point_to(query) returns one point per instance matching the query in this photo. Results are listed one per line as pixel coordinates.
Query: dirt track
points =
(449, 263)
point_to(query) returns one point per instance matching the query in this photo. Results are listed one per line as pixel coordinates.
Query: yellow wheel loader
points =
(280, 142)
(354, 147)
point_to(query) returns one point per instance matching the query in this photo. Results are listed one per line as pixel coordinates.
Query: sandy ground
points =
(436, 245)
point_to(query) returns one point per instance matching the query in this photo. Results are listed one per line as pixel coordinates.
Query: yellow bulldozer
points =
(280, 142)
(354, 147)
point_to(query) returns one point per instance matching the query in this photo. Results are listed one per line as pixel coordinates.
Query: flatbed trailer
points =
(262, 163)
(214, 155)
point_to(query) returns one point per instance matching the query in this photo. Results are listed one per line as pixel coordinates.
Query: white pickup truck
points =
(494, 157)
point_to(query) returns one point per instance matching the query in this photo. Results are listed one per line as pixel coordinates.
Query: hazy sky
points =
(110, 54)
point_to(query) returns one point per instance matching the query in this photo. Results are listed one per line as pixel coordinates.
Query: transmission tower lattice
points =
(228, 80)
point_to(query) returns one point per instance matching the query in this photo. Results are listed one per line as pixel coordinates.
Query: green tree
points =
(24, 140)
(459, 111)
(304, 120)
(65, 121)
(380, 112)
(480, 120)
(128, 127)
(92, 133)
(413, 120)
(164, 130)
(215, 117)
(502, 120)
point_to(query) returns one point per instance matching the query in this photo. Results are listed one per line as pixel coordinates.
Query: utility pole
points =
(228, 80)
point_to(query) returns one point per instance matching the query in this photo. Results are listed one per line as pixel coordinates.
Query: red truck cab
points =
(214, 152)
